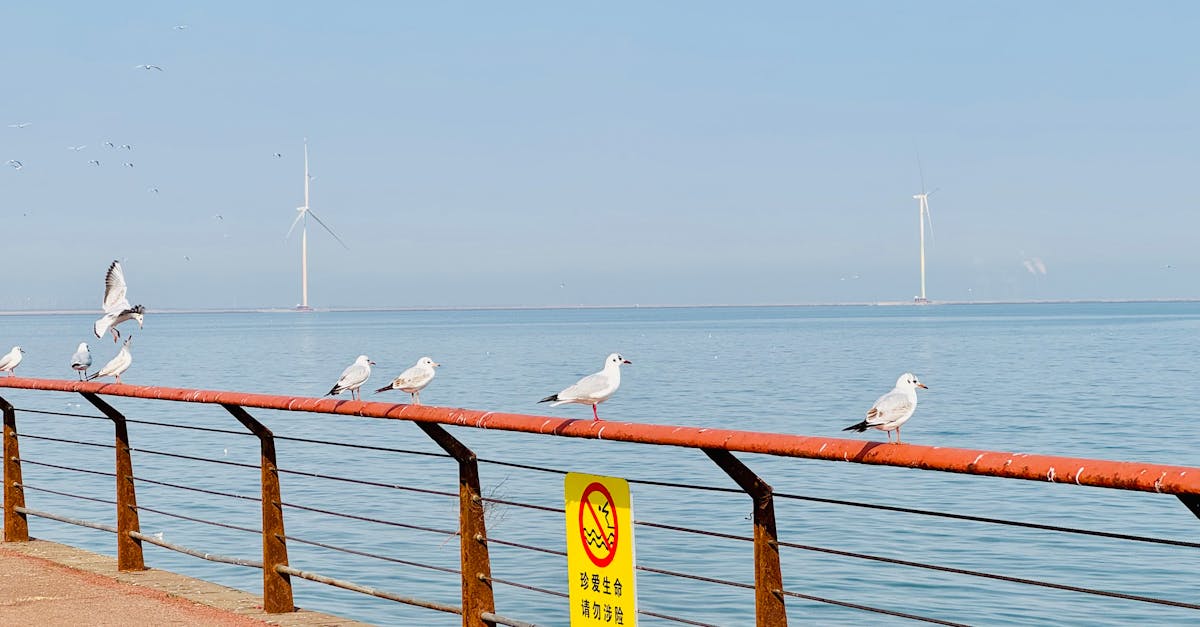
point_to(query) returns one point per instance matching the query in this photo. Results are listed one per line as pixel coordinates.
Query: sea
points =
(1112, 381)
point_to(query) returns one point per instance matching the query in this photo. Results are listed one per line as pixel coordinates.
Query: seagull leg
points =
(116, 334)
(898, 436)
(416, 397)
(118, 378)
(595, 416)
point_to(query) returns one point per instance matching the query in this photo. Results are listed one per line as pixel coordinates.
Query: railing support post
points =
(277, 586)
(129, 548)
(16, 525)
(769, 610)
(1192, 502)
(477, 595)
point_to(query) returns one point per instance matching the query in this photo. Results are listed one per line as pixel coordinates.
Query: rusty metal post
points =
(477, 595)
(16, 525)
(129, 548)
(1192, 502)
(277, 586)
(769, 610)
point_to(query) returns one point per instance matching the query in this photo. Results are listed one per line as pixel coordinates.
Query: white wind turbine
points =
(302, 217)
(923, 213)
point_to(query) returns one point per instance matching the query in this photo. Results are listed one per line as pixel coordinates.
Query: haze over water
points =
(1109, 381)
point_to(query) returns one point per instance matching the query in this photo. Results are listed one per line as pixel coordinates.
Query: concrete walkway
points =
(44, 583)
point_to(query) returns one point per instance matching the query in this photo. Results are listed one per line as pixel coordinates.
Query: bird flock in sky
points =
(888, 413)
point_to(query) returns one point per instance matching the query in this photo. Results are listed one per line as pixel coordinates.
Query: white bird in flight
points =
(116, 306)
(353, 377)
(20, 125)
(9, 362)
(118, 365)
(16, 164)
(82, 359)
(892, 409)
(414, 379)
(594, 388)
(77, 148)
(147, 66)
(94, 162)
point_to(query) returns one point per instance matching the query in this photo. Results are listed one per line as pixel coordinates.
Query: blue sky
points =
(602, 153)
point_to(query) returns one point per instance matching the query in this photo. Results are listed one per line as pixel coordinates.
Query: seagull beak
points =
(436, 365)
(626, 361)
(370, 362)
(922, 386)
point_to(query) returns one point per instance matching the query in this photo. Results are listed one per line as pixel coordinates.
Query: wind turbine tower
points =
(923, 214)
(302, 219)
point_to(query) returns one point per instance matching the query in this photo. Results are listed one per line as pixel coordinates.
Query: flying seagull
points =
(146, 66)
(414, 379)
(181, 27)
(94, 162)
(353, 377)
(77, 148)
(118, 365)
(128, 164)
(16, 164)
(892, 409)
(594, 388)
(20, 125)
(82, 359)
(8, 363)
(116, 306)
(127, 146)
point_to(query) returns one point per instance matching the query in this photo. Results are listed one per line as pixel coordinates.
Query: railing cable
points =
(385, 558)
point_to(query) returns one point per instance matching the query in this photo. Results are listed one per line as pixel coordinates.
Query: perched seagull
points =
(892, 409)
(77, 148)
(594, 388)
(20, 125)
(94, 162)
(414, 379)
(353, 377)
(82, 359)
(8, 363)
(118, 365)
(16, 164)
(146, 66)
(116, 306)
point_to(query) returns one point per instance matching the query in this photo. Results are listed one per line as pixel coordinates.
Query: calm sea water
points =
(1113, 381)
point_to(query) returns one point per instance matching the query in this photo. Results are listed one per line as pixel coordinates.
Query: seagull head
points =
(138, 314)
(18, 349)
(364, 360)
(616, 360)
(910, 381)
(428, 362)
(82, 346)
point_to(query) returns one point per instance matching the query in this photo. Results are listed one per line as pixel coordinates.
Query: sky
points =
(617, 153)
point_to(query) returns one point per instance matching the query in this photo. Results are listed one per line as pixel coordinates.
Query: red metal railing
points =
(478, 602)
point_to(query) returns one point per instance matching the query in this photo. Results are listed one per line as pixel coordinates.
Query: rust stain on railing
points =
(1178, 480)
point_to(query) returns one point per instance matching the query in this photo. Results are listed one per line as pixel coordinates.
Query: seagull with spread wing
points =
(116, 306)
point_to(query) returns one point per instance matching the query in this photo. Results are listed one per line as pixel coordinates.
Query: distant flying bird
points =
(146, 66)
(110, 144)
(127, 146)
(181, 27)
(278, 155)
(16, 164)
(128, 164)
(94, 162)
(414, 379)
(82, 359)
(118, 365)
(153, 190)
(892, 409)
(594, 388)
(77, 148)
(219, 217)
(9, 362)
(20, 125)
(353, 377)
(116, 306)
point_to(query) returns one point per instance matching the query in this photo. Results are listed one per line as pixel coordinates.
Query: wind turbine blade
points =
(335, 235)
(933, 192)
(921, 170)
(299, 217)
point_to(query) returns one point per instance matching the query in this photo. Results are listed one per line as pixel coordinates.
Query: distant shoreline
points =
(232, 310)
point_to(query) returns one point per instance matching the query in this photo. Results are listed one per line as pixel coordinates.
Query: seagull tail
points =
(333, 391)
(384, 388)
(552, 397)
(860, 427)
(93, 376)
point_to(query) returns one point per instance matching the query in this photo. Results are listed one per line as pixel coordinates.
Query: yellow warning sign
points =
(600, 554)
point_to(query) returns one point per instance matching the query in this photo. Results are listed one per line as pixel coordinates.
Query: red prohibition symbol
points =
(604, 519)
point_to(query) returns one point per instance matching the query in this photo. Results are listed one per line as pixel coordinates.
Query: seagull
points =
(127, 146)
(181, 27)
(153, 190)
(892, 409)
(116, 306)
(94, 162)
(16, 164)
(77, 148)
(82, 359)
(20, 125)
(353, 377)
(118, 365)
(146, 66)
(8, 363)
(594, 388)
(109, 144)
(127, 164)
(414, 379)
(278, 155)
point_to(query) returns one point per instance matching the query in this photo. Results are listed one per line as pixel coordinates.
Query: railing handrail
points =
(1121, 475)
